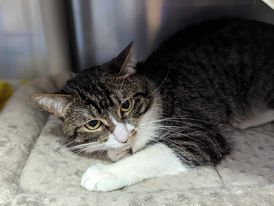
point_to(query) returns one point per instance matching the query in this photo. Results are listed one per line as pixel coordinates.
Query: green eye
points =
(126, 106)
(93, 125)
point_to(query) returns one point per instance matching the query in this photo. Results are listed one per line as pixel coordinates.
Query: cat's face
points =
(104, 107)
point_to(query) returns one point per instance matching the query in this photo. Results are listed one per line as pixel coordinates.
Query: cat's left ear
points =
(53, 103)
(125, 61)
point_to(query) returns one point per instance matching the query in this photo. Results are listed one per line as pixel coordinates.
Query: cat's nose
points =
(126, 140)
(122, 138)
(121, 134)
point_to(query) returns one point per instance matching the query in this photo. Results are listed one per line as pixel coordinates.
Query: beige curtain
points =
(104, 27)
(32, 39)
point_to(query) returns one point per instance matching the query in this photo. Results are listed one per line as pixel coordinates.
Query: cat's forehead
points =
(100, 84)
(87, 112)
(96, 96)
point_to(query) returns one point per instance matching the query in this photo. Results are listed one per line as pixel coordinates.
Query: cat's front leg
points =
(153, 161)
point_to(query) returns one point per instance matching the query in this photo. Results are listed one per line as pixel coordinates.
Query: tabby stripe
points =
(89, 101)
(107, 94)
(75, 132)
(143, 94)
(80, 94)
(103, 104)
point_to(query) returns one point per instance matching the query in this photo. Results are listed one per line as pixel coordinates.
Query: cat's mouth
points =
(115, 154)
(90, 148)
(129, 142)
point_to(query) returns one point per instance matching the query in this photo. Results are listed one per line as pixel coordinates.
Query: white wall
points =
(104, 27)
(32, 40)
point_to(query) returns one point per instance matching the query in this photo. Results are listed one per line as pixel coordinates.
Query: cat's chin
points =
(117, 154)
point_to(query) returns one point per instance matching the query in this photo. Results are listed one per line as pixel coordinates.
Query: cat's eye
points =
(126, 106)
(93, 124)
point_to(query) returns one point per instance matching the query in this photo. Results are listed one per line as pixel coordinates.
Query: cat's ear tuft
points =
(125, 61)
(53, 103)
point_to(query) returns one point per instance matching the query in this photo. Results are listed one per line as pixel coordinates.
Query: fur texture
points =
(183, 100)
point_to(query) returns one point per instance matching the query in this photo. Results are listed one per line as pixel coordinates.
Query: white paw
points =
(100, 178)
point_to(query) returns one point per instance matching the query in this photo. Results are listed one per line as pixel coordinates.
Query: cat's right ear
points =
(53, 103)
(125, 62)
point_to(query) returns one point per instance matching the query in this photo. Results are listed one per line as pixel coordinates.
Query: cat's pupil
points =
(93, 123)
(125, 105)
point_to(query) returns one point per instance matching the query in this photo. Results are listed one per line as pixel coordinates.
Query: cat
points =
(175, 110)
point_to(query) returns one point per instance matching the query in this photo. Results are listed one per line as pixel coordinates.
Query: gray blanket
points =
(34, 172)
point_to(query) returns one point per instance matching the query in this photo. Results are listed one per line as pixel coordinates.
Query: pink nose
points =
(121, 134)
(122, 139)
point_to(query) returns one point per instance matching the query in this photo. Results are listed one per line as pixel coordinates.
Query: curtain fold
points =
(32, 39)
(105, 27)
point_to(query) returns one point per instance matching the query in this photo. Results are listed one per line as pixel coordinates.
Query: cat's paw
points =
(100, 178)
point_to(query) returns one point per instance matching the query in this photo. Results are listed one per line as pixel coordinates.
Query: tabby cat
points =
(173, 111)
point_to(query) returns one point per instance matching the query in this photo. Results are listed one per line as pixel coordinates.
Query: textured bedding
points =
(34, 172)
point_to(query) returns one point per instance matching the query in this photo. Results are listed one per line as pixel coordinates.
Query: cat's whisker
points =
(166, 128)
(91, 149)
(95, 147)
(97, 154)
(162, 121)
(169, 128)
(64, 145)
(157, 89)
(167, 132)
(184, 135)
(84, 145)
(101, 151)
(192, 126)
(175, 119)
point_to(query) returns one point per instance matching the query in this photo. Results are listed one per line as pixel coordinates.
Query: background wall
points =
(40, 37)
(103, 28)
(33, 39)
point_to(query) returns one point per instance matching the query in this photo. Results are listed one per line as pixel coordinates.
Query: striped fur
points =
(186, 94)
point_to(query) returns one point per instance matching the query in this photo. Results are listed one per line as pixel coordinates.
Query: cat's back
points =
(223, 66)
(225, 40)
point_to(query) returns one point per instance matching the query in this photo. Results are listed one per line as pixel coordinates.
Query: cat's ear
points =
(125, 61)
(53, 103)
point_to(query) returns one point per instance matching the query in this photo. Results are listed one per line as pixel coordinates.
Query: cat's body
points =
(217, 73)
(174, 113)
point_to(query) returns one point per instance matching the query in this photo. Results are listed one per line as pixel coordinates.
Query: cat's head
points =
(107, 107)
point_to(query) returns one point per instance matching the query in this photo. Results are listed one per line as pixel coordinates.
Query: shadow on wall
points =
(40, 38)
(103, 28)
